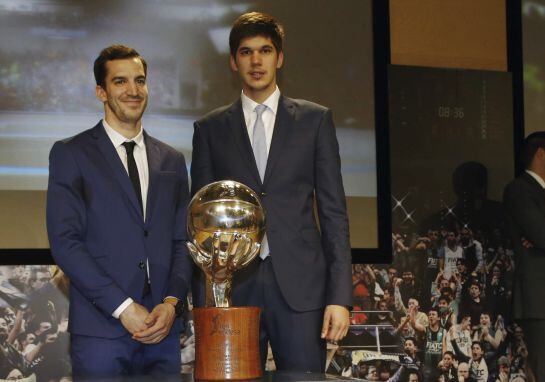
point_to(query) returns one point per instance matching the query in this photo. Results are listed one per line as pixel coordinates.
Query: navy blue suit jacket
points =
(312, 265)
(97, 233)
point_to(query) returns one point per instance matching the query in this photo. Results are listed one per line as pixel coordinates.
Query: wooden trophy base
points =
(227, 343)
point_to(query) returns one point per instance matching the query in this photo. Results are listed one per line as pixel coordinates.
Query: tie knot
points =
(129, 146)
(259, 109)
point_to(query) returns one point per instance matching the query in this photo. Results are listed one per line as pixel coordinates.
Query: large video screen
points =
(47, 49)
(533, 28)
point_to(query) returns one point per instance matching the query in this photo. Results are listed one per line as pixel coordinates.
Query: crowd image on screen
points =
(443, 306)
(26, 78)
(441, 309)
(33, 325)
(34, 338)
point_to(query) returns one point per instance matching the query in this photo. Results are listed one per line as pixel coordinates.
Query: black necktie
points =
(133, 171)
(135, 180)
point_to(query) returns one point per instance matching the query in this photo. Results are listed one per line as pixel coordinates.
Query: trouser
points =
(294, 336)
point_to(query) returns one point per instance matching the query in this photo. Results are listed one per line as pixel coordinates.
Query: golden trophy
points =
(226, 224)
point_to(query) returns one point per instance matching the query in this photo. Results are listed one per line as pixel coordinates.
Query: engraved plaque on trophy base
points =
(227, 343)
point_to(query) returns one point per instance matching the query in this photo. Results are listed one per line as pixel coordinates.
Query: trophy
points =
(226, 224)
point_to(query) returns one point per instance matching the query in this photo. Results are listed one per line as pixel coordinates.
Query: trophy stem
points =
(222, 293)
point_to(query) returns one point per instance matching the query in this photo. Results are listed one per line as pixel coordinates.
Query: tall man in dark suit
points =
(116, 210)
(524, 201)
(287, 152)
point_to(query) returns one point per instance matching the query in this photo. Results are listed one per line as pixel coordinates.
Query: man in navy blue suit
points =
(116, 211)
(286, 150)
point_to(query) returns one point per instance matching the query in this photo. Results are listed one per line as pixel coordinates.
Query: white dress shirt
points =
(269, 118)
(141, 159)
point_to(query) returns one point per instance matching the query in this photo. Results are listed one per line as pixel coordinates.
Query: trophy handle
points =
(202, 259)
(254, 251)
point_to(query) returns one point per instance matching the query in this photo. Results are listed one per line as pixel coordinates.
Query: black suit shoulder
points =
(217, 116)
(166, 150)
(80, 138)
(522, 186)
(307, 106)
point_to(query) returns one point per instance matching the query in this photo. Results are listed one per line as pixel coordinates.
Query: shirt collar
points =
(537, 178)
(118, 139)
(249, 105)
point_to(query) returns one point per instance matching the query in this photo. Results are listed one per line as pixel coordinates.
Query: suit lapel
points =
(114, 162)
(285, 116)
(154, 165)
(237, 125)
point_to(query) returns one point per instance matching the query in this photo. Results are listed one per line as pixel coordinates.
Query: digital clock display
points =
(456, 112)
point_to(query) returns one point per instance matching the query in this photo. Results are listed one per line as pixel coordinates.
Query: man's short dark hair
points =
(486, 313)
(254, 24)
(476, 283)
(473, 343)
(114, 52)
(530, 145)
(452, 355)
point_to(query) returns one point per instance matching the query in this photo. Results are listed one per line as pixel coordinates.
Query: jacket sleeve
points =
(331, 206)
(182, 265)
(66, 228)
(202, 170)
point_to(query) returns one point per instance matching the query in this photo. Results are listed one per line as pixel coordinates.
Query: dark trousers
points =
(534, 337)
(110, 357)
(294, 336)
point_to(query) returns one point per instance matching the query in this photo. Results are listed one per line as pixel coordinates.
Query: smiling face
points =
(124, 94)
(256, 61)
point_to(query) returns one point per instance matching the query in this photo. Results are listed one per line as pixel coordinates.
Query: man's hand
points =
(336, 322)
(132, 318)
(158, 322)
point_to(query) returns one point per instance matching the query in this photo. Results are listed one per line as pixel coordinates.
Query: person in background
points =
(524, 204)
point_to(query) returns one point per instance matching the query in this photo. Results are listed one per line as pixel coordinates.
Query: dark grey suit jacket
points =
(524, 201)
(312, 266)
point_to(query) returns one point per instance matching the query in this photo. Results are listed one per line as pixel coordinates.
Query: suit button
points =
(141, 265)
(146, 233)
(263, 194)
